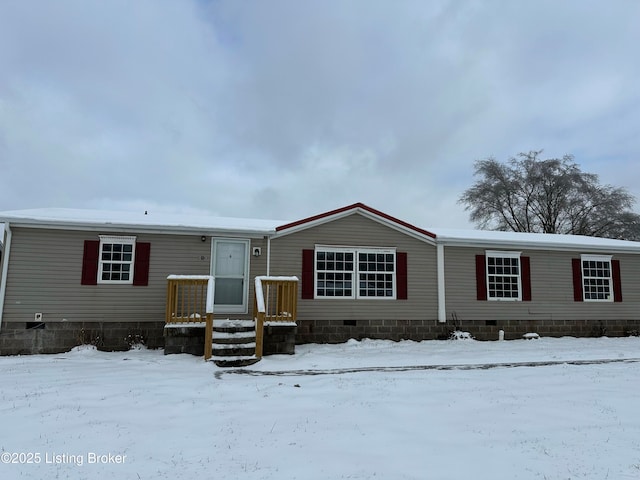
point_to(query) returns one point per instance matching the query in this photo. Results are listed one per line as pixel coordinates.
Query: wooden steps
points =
(234, 343)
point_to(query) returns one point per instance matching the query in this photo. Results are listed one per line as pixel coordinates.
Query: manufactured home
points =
(261, 286)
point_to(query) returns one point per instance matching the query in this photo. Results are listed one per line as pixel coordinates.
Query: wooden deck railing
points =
(190, 301)
(275, 300)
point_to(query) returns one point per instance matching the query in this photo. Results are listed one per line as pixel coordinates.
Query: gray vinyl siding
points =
(358, 231)
(551, 289)
(45, 268)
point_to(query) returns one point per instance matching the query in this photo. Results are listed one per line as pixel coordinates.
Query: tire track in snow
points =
(409, 368)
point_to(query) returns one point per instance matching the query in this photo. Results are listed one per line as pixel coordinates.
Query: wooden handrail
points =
(275, 300)
(190, 301)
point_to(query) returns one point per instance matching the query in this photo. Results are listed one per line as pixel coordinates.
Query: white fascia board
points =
(79, 219)
(399, 228)
(149, 229)
(532, 245)
(313, 223)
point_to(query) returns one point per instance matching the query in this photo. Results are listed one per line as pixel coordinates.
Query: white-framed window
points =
(230, 270)
(504, 281)
(355, 272)
(116, 259)
(596, 278)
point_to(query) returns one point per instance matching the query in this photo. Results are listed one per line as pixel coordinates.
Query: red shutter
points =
(525, 265)
(576, 265)
(308, 261)
(90, 262)
(401, 276)
(141, 265)
(617, 285)
(481, 277)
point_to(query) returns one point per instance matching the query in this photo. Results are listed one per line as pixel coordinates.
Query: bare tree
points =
(527, 194)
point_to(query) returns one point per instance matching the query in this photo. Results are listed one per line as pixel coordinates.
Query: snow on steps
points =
(227, 323)
(238, 361)
(234, 343)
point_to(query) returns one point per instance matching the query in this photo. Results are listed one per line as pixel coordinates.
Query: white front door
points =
(231, 272)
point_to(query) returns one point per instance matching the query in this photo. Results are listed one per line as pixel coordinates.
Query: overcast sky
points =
(285, 109)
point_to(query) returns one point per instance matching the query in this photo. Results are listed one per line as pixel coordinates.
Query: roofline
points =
(533, 245)
(354, 208)
(135, 227)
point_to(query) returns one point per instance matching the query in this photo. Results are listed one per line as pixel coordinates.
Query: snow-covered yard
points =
(95, 415)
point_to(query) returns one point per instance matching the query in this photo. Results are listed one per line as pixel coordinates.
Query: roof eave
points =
(139, 228)
(529, 245)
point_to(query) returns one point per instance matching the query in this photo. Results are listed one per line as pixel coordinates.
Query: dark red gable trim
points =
(617, 285)
(576, 267)
(90, 262)
(141, 264)
(355, 206)
(481, 277)
(308, 267)
(401, 276)
(525, 264)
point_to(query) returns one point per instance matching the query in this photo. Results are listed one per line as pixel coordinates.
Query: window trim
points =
(123, 240)
(503, 254)
(597, 258)
(229, 308)
(356, 250)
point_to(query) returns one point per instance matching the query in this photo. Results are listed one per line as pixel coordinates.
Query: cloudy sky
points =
(284, 109)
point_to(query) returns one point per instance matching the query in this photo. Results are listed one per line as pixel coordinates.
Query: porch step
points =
(234, 343)
(232, 338)
(239, 361)
(234, 326)
(241, 349)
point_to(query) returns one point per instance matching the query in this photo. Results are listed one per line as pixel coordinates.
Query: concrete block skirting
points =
(20, 338)
(184, 340)
(334, 331)
(58, 337)
(279, 339)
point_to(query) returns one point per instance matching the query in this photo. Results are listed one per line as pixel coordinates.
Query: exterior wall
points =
(337, 320)
(552, 310)
(44, 274)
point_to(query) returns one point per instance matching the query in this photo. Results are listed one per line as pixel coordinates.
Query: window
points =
(342, 272)
(375, 274)
(596, 278)
(503, 275)
(334, 274)
(116, 260)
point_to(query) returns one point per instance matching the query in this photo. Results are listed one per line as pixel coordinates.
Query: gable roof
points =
(77, 219)
(361, 209)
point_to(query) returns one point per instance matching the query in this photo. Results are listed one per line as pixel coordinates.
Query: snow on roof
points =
(79, 218)
(155, 221)
(531, 240)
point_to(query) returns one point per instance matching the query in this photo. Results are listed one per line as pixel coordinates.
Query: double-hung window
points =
(116, 259)
(503, 275)
(347, 272)
(597, 278)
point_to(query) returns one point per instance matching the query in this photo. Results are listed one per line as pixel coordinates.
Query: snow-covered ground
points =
(142, 415)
